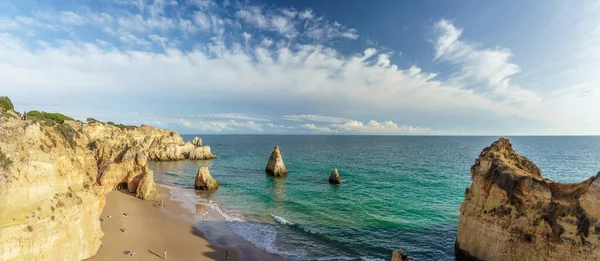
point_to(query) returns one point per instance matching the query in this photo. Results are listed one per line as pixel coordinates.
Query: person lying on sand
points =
(161, 204)
(124, 230)
(129, 253)
(125, 214)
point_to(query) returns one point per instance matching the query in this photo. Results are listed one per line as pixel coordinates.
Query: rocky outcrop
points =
(334, 178)
(204, 181)
(53, 178)
(275, 165)
(197, 142)
(399, 255)
(200, 153)
(511, 212)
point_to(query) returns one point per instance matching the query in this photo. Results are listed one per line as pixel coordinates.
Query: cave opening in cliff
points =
(122, 185)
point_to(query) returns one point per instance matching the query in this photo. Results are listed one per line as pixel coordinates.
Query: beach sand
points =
(152, 230)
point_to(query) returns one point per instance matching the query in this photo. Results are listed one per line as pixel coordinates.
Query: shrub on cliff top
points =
(6, 104)
(49, 117)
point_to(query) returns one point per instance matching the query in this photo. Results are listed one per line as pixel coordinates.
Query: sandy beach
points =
(150, 230)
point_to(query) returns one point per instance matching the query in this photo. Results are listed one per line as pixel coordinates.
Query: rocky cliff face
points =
(511, 212)
(53, 179)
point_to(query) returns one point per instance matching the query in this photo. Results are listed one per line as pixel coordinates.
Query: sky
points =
(309, 67)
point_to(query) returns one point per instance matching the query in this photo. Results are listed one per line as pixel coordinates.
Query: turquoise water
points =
(400, 191)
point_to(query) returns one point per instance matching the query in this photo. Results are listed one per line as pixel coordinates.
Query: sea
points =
(399, 192)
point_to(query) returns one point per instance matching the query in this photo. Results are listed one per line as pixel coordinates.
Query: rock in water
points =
(201, 153)
(204, 181)
(335, 177)
(511, 212)
(399, 255)
(197, 142)
(275, 165)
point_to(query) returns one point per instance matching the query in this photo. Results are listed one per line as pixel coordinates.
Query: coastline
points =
(152, 230)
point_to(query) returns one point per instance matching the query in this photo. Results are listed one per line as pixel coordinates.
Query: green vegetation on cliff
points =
(50, 118)
(6, 104)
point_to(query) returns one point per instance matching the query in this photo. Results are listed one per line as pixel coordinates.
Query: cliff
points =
(511, 212)
(53, 178)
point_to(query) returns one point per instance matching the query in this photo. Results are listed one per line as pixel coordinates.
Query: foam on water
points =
(262, 236)
(281, 220)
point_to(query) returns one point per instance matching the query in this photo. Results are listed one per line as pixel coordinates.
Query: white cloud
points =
(7, 24)
(291, 12)
(315, 118)
(130, 39)
(266, 42)
(315, 128)
(71, 18)
(374, 127)
(489, 66)
(306, 14)
(202, 20)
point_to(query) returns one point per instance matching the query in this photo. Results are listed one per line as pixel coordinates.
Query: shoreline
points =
(152, 230)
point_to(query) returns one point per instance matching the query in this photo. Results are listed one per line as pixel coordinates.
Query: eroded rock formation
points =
(399, 255)
(334, 178)
(53, 178)
(197, 142)
(204, 181)
(275, 165)
(511, 212)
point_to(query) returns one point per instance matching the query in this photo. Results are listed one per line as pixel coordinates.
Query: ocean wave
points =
(215, 207)
(281, 220)
(263, 236)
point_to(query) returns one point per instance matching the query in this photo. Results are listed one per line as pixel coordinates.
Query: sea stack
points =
(512, 213)
(275, 165)
(399, 255)
(334, 178)
(204, 181)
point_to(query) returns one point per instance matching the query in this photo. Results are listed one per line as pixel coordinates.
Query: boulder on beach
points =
(197, 142)
(204, 181)
(334, 178)
(146, 188)
(275, 165)
(511, 212)
(399, 255)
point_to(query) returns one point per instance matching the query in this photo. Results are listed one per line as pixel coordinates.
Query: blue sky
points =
(315, 67)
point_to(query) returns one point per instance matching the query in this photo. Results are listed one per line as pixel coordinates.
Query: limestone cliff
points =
(53, 178)
(511, 212)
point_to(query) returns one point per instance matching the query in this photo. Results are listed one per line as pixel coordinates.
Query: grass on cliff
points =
(6, 104)
(50, 118)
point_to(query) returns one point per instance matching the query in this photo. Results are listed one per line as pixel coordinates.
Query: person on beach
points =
(227, 254)
(165, 254)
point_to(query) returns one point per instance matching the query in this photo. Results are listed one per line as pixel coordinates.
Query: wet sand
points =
(152, 230)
